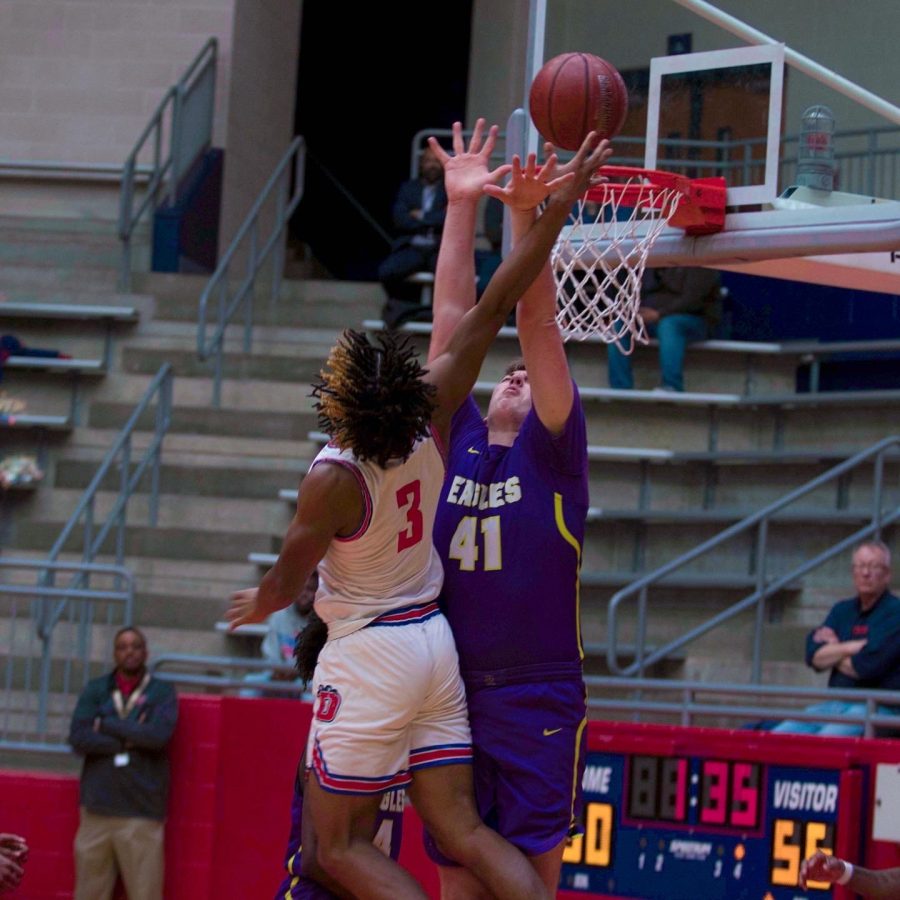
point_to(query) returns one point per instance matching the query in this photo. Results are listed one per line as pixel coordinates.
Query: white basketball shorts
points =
(388, 700)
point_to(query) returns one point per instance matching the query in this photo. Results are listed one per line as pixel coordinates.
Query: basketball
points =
(574, 94)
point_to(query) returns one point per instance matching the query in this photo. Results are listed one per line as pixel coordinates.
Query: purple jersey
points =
(510, 529)
(388, 833)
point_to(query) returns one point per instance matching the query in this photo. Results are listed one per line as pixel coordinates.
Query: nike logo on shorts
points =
(549, 731)
(473, 450)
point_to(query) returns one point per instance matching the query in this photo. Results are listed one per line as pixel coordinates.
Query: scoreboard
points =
(724, 818)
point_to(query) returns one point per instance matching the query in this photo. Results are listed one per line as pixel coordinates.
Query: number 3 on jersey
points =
(410, 496)
(464, 544)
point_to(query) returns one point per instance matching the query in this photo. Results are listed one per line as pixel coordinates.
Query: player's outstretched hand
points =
(820, 867)
(467, 171)
(590, 156)
(529, 187)
(244, 609)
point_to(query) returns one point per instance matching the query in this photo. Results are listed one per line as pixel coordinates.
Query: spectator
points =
(284, 626)
(859, 642)
(13, 856)
(873, 885)
(418, 214)
(679, 306)
(122, 725)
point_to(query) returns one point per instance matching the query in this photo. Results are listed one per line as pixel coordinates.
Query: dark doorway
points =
(370, 76)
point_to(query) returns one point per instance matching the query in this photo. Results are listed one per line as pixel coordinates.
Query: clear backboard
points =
(818, 206)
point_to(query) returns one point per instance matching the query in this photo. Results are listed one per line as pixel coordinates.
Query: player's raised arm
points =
(454, 371)
(539, 336)
(328, 504)
(466, 173)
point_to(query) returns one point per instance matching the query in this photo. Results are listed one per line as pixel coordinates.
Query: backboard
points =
(722, 113)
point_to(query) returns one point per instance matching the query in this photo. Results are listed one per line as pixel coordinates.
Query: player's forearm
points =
(883, 885)
(829, 655)
(454, 277)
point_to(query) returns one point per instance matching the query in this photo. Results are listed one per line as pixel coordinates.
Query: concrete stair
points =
(223, 470)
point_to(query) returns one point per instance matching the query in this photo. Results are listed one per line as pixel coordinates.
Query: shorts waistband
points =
(406, 615)
(536, 673)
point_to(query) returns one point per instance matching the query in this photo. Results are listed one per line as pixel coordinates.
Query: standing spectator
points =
(679, 306)
(13, 856)
(122, 725)
(859, 643)
(418, 215)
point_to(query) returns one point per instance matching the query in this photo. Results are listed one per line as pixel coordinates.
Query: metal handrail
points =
(119, 455)
(765, 587)
(159, 664)
(169, 110)
(291, 167)
(690, 706)
(690, 703)
(21, 657)
(54, 602)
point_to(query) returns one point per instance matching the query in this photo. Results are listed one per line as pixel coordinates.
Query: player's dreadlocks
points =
(308, 644)
(371, 398)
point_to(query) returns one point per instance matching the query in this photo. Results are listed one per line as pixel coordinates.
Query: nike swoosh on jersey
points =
(473, 450)
(549, 731)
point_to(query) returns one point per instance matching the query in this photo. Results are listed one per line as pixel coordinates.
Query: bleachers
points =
(666, 471)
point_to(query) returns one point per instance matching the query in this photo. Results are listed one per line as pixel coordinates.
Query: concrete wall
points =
(79, 81)
(860, 45)
(260, 124)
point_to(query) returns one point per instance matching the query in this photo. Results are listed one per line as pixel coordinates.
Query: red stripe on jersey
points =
(429, 756)
(347, 784)
(408, 614)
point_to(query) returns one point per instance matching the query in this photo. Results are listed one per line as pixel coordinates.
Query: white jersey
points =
(390, 561)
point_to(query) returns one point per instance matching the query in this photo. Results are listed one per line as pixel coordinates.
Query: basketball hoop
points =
(598, 281)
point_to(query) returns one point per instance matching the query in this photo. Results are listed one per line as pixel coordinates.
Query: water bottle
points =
(815, 157)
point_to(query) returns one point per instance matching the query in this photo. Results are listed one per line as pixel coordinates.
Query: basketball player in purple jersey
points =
(510, 529)
(299, 886)
(390, 707)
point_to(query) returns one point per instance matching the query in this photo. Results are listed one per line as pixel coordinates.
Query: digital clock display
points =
(725, 794)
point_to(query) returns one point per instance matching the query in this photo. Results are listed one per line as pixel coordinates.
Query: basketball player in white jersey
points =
(390, 706)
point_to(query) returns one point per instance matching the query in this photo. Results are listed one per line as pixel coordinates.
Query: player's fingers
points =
(548, 170)
(500, 172)
(438, 150)
(516, 167)
(491, 140)
(475, 142)
(458, 143)
(531, 164)
(557, 183)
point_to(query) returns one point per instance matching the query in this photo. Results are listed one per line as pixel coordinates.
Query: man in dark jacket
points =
(121, 725)
(418, 214)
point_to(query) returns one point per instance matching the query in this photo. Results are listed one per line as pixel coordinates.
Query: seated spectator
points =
(418, 215)
(283, 628)
(859, 643)
(679, 306)
(13, 856)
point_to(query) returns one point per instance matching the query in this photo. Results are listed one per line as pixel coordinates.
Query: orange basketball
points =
(574, 94)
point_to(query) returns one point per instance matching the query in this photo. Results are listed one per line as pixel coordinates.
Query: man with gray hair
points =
(859, 642)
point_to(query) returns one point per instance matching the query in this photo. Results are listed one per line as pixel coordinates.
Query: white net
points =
(599, 260)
